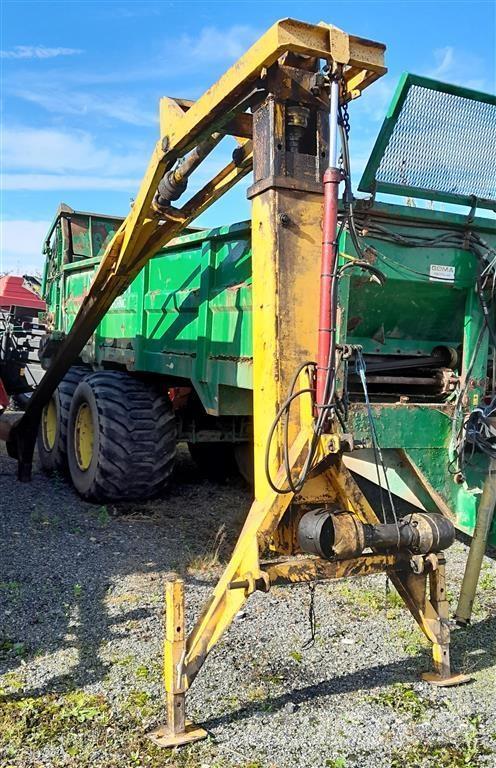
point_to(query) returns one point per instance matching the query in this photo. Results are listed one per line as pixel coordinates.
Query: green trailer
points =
(177, 347)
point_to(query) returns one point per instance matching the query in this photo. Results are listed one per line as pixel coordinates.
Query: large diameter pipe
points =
(327, 313)
(477, 547)
(341, 535)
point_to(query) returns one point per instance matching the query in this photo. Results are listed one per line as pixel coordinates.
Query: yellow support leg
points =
(176, 731)
(441, 675)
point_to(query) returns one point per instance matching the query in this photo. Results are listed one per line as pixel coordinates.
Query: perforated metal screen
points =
(437, 142)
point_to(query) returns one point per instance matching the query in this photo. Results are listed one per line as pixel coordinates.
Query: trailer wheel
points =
(121, 438)
(52, 433)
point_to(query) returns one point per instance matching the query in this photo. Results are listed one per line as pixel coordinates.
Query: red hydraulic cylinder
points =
(328, 278)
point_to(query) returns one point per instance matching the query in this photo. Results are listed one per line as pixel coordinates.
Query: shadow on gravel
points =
(64, 562)
(74, 576)
(472, 651)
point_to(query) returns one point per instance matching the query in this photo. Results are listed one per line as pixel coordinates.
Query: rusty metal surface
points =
(314, 569)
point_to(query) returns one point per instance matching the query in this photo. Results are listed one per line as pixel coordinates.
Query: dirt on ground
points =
(81, 633)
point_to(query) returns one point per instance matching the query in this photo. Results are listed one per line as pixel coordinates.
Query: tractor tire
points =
(214, 460)
(52, 433)
(121, 438)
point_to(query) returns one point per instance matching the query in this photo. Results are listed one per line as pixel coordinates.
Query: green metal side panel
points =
(187, 316)
(411, 314)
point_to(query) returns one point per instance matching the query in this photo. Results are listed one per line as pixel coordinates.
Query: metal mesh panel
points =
(441, 142)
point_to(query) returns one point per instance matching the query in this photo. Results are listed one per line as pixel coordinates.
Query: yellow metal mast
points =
(285, 140)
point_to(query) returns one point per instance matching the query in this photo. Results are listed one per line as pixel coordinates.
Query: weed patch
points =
(403, 698)
(467, 754)
(34, 722)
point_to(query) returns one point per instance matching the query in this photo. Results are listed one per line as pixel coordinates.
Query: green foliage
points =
(10, 647)
(138, 706)
(102, 515)
(33, 722)
(336, 762)
(10, 684)
(468, 754)
(296, 656)
(412, 640)
(372, 599)
(487, 582)
(143, 672)
(402, 698)
(12, 588)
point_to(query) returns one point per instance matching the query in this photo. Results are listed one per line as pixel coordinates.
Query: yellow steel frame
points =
(183, 124)
(285, 277)
(285, 263)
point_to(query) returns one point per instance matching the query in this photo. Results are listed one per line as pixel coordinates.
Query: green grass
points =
(403, 698)
(34, 722)
(11, 588)
(296, 656)
(10, 647)
(372, 599)
(412, 640)
(467, 754)
(142, 671)
(487, 581)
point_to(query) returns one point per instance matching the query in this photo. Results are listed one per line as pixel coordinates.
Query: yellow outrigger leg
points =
(290, 147)
(275, 102)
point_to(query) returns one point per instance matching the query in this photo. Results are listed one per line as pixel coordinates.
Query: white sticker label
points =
(443, 273)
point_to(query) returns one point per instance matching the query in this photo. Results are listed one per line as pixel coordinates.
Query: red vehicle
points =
(19, 327)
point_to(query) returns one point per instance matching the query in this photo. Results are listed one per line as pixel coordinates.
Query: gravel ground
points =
(81, 592)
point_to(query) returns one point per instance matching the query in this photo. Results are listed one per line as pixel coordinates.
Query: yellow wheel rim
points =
(49, 425)
(84, 437)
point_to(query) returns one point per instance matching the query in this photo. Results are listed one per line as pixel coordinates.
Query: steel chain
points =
(345, 118)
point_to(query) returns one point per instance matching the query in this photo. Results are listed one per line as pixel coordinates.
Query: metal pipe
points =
(342, 535)
(328, 277)
(196, 156)
(333, 125)
(477, 547)
(174, 183)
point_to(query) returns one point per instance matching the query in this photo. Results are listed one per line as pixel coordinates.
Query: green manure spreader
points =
(172, 359)
(178, 342)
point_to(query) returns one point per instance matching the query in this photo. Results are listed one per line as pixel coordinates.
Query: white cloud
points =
(214, 44)
(169, 61)
(375, 100)
(50, 159)
(56, 151)
(21, 242)
(37, 52)
(22, 237)
(124, 109)
(445, 58)
(37, 182)
(458, 67)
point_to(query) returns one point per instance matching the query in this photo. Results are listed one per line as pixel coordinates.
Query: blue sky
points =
(81, 83)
